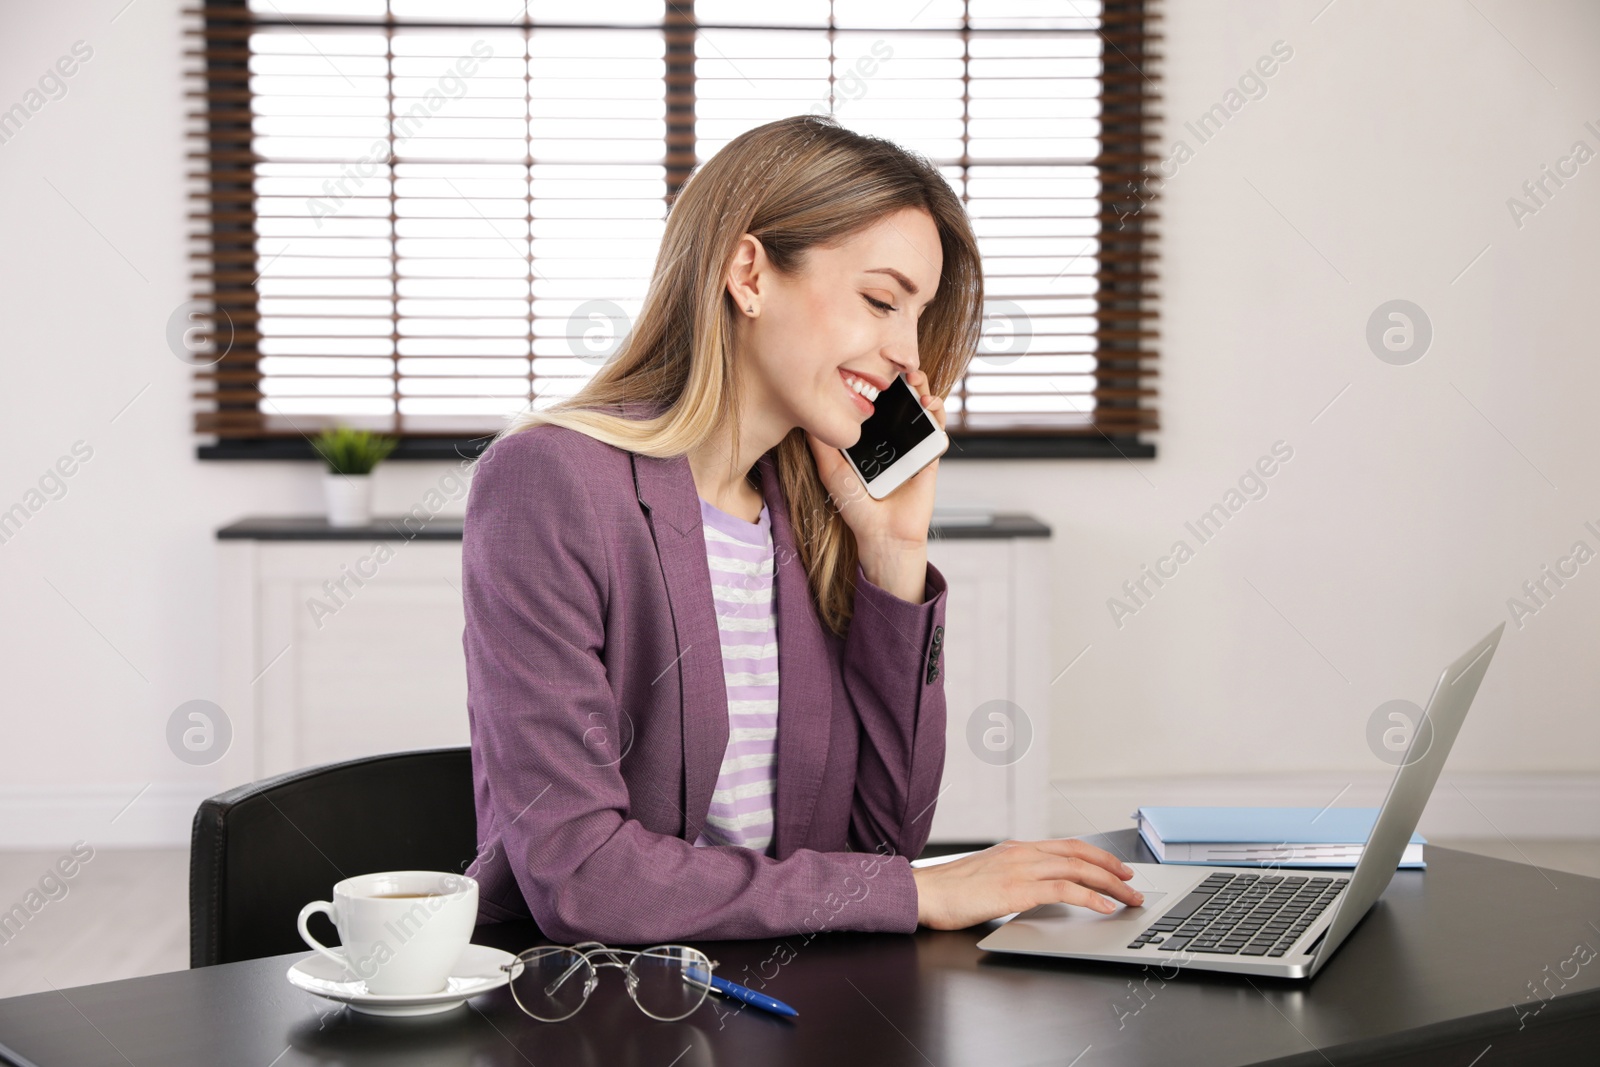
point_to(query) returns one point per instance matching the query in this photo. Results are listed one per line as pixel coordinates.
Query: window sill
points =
(966, 446)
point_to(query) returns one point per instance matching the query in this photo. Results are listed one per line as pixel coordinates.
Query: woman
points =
(703, 664)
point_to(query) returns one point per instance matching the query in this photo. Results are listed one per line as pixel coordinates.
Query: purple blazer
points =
(599, 716)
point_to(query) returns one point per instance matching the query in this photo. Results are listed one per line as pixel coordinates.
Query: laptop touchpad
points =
(1144, 913)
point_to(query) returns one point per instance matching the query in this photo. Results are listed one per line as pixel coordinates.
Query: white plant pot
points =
(349, 499)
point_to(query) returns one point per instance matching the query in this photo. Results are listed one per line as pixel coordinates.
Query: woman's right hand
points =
(1014, 876)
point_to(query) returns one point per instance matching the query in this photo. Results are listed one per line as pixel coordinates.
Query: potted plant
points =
(350, 456)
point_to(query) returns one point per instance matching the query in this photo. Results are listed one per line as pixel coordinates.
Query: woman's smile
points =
(862, 392)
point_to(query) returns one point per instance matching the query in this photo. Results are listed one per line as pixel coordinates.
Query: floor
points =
(125, 912)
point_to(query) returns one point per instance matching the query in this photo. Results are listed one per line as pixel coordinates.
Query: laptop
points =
(1281, 922)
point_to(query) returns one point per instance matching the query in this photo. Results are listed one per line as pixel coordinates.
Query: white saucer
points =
(478, 971)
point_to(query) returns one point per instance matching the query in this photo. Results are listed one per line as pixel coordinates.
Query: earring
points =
(751, 309)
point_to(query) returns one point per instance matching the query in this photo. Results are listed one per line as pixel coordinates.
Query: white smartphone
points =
(898, 439)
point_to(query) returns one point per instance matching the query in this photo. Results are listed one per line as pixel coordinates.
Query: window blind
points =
(420, 216)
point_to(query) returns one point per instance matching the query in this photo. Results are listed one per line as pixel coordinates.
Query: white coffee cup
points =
(400, 932)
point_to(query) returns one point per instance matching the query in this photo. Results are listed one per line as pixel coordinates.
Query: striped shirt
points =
(739, 555)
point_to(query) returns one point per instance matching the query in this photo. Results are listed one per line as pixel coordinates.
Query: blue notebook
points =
(1259, 837)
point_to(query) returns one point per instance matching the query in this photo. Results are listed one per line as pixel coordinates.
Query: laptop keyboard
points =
(1243, 914)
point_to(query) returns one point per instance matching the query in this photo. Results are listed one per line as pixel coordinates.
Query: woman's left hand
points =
(892, 533)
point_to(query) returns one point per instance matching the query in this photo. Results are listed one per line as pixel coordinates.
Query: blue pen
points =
(751, 997)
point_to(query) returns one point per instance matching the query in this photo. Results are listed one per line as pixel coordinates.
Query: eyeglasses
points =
(667, 982)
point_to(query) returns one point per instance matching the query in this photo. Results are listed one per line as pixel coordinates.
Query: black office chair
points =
(260, 852)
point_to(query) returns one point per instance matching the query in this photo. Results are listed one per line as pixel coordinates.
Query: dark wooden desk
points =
(1440, 972)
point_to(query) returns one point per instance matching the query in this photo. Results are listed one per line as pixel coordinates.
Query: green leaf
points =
(350, 451)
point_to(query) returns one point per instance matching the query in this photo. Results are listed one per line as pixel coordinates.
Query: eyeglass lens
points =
(669, 981)
(553, 983)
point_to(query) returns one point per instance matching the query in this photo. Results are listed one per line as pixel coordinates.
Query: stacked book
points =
(1262, 837)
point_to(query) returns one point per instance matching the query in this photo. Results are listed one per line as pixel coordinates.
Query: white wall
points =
(1377, 166)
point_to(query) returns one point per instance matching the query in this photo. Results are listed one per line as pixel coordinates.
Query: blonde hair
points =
(793, 184)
